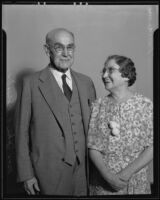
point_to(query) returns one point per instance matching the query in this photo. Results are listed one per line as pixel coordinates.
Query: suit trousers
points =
(73, 180)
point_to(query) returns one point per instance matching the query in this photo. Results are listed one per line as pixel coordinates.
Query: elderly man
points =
(53, 116)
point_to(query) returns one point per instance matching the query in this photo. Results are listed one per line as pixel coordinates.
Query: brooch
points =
(115, 128)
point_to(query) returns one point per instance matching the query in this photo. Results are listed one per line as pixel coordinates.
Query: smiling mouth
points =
(65, 60)
(106, 81)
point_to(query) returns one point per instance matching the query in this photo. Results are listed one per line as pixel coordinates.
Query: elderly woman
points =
(120, 138)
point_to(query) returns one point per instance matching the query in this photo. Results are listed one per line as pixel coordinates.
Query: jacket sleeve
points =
(23, 117)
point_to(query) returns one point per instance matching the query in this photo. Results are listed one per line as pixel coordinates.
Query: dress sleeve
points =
(95, 135)
(147, 123)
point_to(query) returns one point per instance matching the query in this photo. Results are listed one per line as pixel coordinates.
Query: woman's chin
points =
(107, 86)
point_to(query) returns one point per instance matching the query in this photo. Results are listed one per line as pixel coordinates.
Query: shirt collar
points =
(59, 74)
(68, 74)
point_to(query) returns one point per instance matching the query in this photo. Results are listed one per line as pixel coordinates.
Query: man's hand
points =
(31, 186)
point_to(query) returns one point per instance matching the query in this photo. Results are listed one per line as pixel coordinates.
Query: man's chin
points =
(62, 66)
(65, 66)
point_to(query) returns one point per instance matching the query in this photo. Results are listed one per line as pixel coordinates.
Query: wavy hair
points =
(127, 68)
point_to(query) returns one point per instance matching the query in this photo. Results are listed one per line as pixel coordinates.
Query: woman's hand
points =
(124, 175)
(116, 182)
(113, 179)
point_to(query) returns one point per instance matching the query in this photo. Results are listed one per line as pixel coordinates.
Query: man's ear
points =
(46, 49)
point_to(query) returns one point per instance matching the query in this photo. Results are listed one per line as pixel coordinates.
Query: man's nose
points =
(65, 52)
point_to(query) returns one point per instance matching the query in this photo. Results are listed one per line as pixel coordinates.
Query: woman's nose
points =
(105, 74)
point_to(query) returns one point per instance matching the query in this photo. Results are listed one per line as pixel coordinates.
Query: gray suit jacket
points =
(41, 130)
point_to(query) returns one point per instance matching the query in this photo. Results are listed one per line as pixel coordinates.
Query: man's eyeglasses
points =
(59, 48)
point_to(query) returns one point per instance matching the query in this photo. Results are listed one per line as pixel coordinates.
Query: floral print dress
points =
(135, 118)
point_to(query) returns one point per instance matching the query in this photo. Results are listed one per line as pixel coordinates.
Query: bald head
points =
(53, 35)
(60, 48)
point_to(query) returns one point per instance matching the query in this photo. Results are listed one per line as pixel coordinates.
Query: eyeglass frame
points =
(61, 47)
(109, 70)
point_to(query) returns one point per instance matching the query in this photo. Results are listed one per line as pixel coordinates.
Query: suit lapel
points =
(51, 93)
(83, 96)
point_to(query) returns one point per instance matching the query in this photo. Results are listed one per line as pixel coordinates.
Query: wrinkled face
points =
(61, 50)
(111, 76)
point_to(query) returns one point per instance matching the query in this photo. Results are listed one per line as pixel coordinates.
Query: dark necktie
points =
(66, 88)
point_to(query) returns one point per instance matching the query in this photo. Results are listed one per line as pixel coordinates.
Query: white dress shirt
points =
(58, 77)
